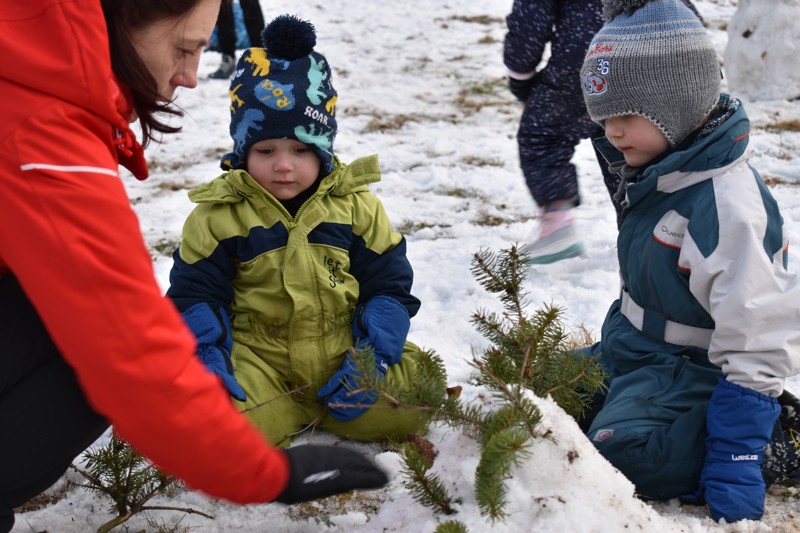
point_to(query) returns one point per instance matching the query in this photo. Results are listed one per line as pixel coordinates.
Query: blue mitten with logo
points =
(740, 423)
(382, 325)
(214, 343)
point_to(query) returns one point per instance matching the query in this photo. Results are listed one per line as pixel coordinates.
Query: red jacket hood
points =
(60, 49)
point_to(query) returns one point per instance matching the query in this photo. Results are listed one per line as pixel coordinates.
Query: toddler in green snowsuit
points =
(289, 260)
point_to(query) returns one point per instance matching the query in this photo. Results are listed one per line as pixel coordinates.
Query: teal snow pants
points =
(652, 426)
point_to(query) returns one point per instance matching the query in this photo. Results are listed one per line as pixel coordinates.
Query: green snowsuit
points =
(291, 286)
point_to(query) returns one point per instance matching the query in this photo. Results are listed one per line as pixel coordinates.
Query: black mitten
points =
(318, 471)
(520, 88)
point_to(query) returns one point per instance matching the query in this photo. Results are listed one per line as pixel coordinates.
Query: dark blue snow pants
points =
(651, 425)
(45, 420)
(554, 119)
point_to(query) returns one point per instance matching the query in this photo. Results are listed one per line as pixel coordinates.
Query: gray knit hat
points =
(653, 59)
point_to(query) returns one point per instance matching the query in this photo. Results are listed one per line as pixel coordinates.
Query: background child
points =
(226, 33)
(705, 332)
(289, 259)
(554, 119)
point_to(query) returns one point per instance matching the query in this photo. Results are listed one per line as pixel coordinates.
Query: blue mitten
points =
(382, 325)
(740, 423)
(346, 397)
(214, 343)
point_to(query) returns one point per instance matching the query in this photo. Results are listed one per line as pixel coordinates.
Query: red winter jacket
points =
(69, 235)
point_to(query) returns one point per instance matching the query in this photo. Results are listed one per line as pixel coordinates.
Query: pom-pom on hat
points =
(283, 91)
(652, 58)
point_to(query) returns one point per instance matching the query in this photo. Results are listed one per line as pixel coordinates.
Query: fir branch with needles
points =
(125, 477)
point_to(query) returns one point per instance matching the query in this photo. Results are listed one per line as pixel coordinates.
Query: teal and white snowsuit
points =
(705, 294)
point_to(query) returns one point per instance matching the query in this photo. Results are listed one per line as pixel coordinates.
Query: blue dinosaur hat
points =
(283, 91)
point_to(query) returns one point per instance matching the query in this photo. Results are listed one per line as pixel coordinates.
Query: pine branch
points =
(500, 452)
(119, 472)
(300, 388)
(532, 418)
(456, 417)
(451, 526)
(502, 274)
(187, 510)
(426, 488)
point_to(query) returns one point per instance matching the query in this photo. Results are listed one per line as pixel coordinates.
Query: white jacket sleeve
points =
(753, 299)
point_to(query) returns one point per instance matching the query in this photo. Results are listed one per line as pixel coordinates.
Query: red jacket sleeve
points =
(68, 233)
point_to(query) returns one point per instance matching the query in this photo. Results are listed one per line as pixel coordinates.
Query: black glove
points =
(520, 88)
(319, 471)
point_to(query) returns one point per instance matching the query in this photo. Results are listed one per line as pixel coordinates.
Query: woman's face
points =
(170, 48)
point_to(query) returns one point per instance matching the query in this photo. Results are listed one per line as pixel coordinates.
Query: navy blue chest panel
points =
(331, 234)
(262, 240)
(650, 242)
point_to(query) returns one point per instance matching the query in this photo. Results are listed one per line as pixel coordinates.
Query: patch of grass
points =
(489, 220)
(170, 185)
(389, 122)
(457, 191)
(160, 526)
(166, 247)
(476, 161)
(788, 491)
(368, 503)
(478, 19)
(489, 87)
(409, 227)
(419, 64)
(772, 181)
(215, 154)
(785, 125)
(485, 93)
(49, 497)
(166, 166)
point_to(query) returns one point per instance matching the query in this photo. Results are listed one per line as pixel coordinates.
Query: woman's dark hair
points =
(123, 16)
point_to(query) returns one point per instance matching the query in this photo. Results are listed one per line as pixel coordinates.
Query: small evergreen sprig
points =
(123, 475)
(425, 487)
(526, 354)
(534, 352)
(451, 526)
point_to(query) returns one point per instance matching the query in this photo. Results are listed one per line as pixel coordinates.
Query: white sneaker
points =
(557, 239)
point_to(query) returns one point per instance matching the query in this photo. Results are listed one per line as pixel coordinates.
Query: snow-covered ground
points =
(422, 84)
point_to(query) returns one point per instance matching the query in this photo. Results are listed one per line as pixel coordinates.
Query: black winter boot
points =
(226, 67)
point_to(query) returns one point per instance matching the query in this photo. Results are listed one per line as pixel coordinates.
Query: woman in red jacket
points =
(86, 337)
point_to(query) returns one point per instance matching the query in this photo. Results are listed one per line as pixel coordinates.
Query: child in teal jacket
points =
(704, 334)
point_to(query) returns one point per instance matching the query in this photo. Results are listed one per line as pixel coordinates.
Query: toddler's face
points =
(284, 167)
(639, 140)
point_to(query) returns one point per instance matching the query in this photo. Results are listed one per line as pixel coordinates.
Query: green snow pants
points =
(281, 412)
